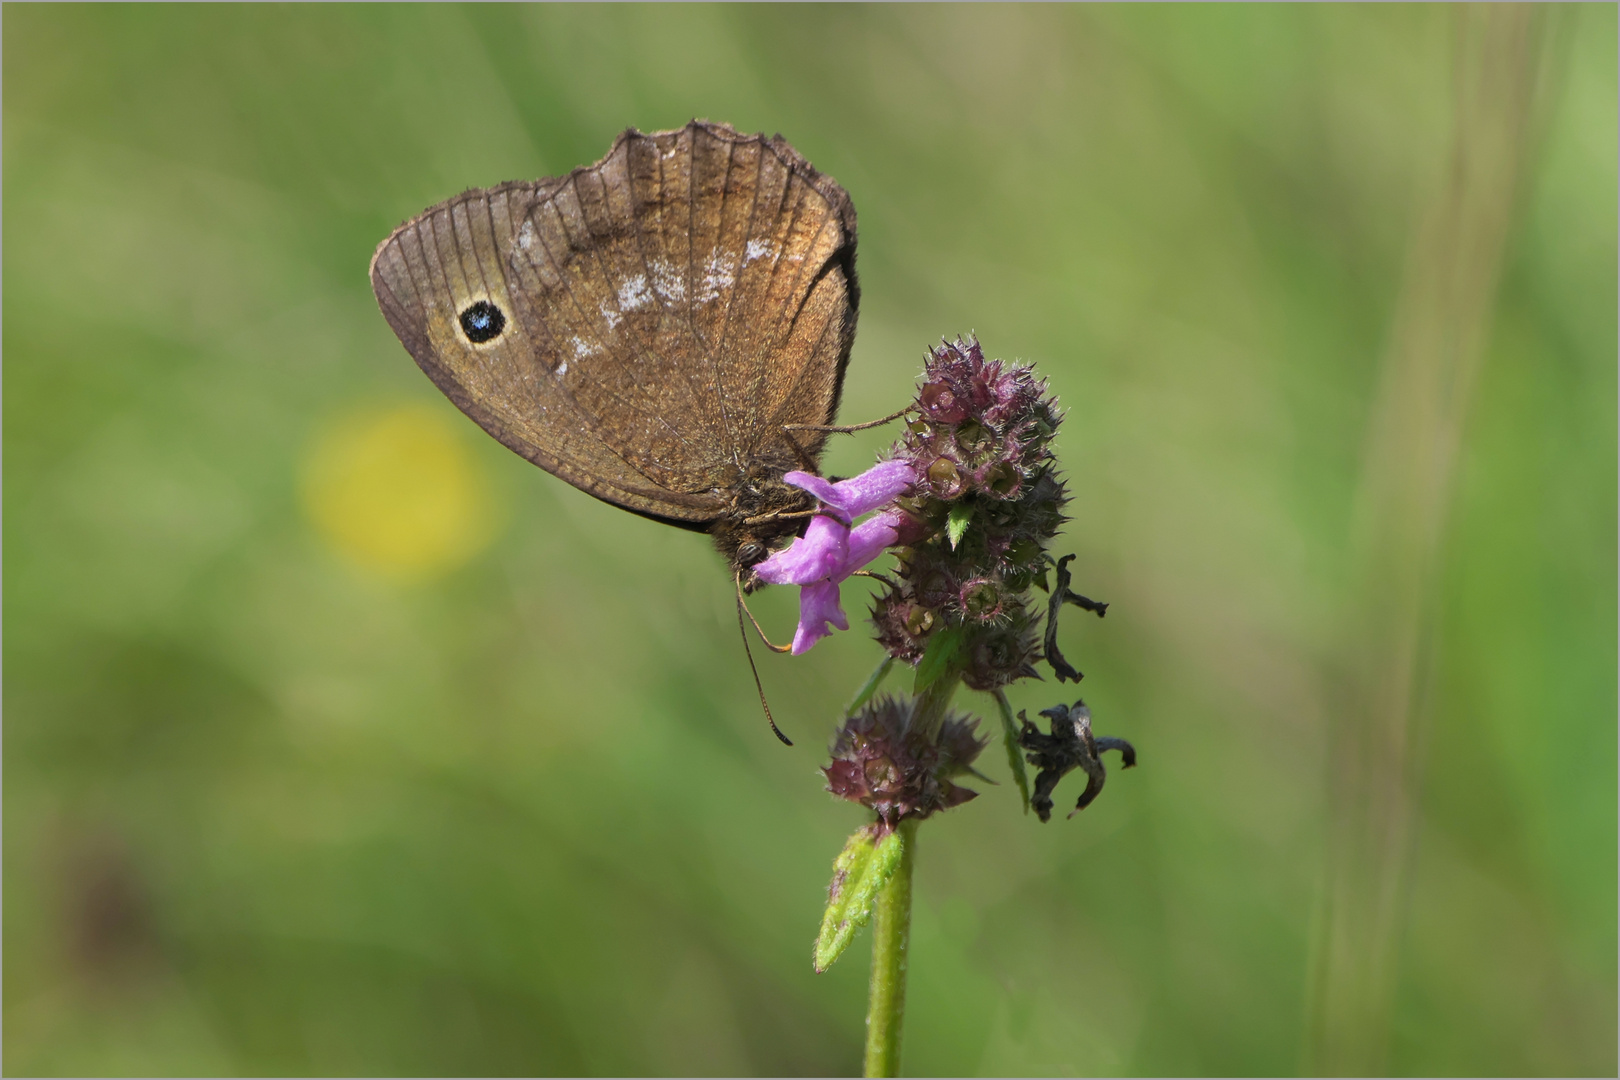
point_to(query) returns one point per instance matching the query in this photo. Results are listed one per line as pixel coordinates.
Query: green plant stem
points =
(933, 701)
(891, 915)
(891, 940)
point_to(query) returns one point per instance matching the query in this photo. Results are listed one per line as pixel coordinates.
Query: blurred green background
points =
(338, 739)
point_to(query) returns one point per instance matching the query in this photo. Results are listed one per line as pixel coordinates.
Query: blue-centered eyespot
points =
(482, 322)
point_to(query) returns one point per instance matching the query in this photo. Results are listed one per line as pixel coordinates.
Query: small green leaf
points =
(848, 869)
(859, 873)
(956, 526)
(937, 657)
(1015, 752)
(865, 693)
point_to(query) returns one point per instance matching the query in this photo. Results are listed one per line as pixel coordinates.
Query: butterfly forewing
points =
(662, 315)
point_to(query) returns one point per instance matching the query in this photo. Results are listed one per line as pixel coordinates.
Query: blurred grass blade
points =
(869, 687)
(1443, 321)
(1015, 752)
(859, 872)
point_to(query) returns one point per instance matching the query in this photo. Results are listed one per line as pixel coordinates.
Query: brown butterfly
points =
(665, 329)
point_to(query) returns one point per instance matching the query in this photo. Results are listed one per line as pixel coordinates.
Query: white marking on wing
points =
(717, 277)
(757, 249)
(668, 281)
(612, 317)
(526, 236)
(634, 294)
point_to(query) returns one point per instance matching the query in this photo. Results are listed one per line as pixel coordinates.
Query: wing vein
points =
(773, 340)
(713, 352)
(721, 346)
(573, 300)
(673, 318)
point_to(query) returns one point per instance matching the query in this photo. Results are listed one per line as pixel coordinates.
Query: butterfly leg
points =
(845, 429)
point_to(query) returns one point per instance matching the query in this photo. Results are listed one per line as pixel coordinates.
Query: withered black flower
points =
(1070, 745)
(883, 761)
(1061, 594)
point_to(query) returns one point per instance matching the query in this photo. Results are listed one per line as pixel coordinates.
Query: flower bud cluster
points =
(883, 761)
(986, 502)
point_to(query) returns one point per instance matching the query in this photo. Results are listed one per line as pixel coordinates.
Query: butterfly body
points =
(648, 328)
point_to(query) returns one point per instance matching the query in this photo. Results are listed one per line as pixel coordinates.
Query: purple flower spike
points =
(816, 556)
(830, 551)
(818, 606)
(851, 498)
(868, 539)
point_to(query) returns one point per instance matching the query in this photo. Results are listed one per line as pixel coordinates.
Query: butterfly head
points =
(765, 515)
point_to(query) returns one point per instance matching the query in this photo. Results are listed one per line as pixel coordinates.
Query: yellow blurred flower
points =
(396, 491)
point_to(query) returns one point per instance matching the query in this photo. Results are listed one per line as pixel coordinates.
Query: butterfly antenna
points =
(846, 429)
(743, 629)
(779, 515)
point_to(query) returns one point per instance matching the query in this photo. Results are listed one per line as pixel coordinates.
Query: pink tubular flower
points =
(830, 551)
